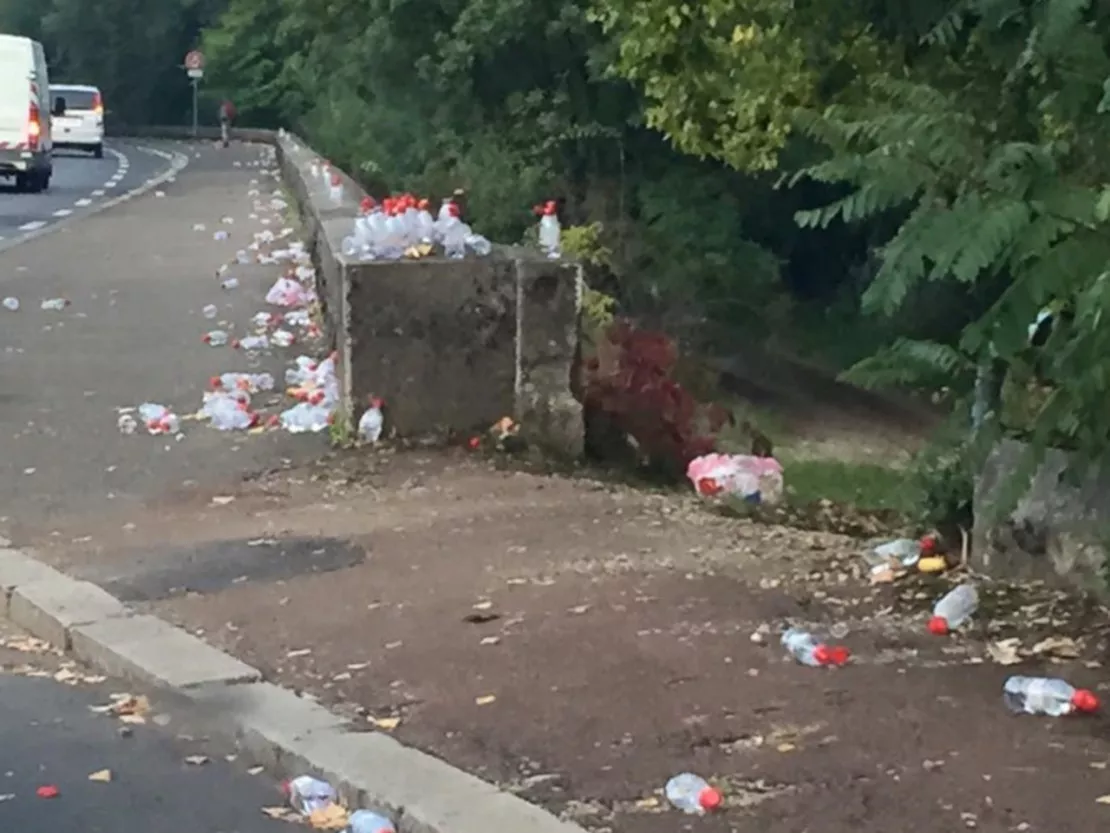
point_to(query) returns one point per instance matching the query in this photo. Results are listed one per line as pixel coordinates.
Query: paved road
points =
(49, 736)
(79, 183)
(137, 277)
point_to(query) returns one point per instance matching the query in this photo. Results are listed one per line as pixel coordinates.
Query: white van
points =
(78, 120)
(26, 147)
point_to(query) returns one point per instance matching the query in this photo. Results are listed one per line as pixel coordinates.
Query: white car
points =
(78, 118)
(25, 147)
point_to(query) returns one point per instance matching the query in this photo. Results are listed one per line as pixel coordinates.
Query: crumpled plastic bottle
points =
(159, 419)
(367, 821)
(692, 794)
(306, 417)
(215, 338)
(306, 794)
(55, 304)
(957, 606)
(210, 311)
(11, 303)
(253, 343)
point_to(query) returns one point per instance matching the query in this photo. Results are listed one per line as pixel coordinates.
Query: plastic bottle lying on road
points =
(692, 794)
(805, 648)
(210, 311)
(367, 821)
(253, 343)
(55, 303)
(11, 303)
(307, 794)
(1047, 695)
(215, 338)
(954, 608)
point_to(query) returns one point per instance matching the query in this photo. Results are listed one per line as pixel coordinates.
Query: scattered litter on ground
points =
(956, 607)
(692, 794)
(47, 791)
(805, 648)
(11, 303)
(753, 479)
(101, 776)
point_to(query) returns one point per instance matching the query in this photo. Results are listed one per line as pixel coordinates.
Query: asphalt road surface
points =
(51, 737)
(136, 278)
(78, 184)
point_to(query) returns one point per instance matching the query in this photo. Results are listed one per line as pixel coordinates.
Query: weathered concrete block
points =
(451, 345)
(436, 339)
(52, 607)
(146, 648)
(548, 308)
(1058, 531)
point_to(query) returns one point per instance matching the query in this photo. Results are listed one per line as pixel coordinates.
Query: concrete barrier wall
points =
(1058, 531)
(450, 345)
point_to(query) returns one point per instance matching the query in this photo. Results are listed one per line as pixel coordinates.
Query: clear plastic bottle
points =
(253, 343)
(479, 245)
(1047, 695)
(55, 304)
(367, 821)
(11, 303)
(127, 424)
(282, 338)
(550, 230)
(210, 311)
(807, 650)
(692, 794)
(954, 608)
(216, 338)
(306, 417)
(372, 421)
(230, 283)
(307, 794)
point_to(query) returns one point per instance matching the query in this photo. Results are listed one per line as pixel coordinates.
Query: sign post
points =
(194, 67)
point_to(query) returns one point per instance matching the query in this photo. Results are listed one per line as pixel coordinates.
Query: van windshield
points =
(75, 99)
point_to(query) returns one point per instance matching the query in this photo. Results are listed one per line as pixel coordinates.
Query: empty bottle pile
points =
(403, 227)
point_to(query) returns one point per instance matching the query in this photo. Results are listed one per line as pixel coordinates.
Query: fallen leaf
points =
(132, 719)
(300, 652)
(1103, 799)
(387, 724)
(647, 803)
(197, 760)
(484, 700)
(278, 812)
(483, 605)
(223, 500)
(1097, 764)
(101, 776)
(255, 770)
(1005, 651)
(786, 747)
(490, 640)
(1060, 646)
(331, 817)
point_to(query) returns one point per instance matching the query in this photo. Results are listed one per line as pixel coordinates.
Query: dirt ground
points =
(579, 642)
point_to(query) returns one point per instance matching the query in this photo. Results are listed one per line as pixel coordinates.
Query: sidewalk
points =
(579, 643)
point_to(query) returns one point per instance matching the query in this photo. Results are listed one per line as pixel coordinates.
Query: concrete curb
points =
(178, 162)
(271, 724)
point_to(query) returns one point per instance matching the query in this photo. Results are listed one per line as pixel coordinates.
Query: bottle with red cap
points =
(550, 230)
(692, 794)
(954, 608)
(806, 649)
(1047, 695)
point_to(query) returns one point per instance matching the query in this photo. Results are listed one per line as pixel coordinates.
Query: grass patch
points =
(867, 487)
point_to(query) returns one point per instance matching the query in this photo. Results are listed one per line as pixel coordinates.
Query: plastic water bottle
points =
(282, 338)
(55, 304)
(550, 231)
(479, 245)
(954, 608)
(805, 648)
(11, 303)
(210, 311)
(215, 338)
(692, 794)
(127, 424)
(371, 422)
(367, 821)
(1047, 695)
(307, 794)
(253, 343)
(230, 283)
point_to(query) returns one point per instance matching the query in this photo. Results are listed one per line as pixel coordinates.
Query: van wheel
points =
(98, 152)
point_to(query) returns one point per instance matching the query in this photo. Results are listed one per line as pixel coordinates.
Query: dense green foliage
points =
(942, 158)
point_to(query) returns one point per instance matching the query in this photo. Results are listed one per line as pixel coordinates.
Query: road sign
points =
(196, 73)
(194, 60)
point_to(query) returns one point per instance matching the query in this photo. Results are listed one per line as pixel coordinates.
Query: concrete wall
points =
(451, 346)
(1057, 532)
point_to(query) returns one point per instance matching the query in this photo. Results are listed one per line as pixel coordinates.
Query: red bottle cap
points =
(1085, 701)
(709, 798)
(938, 626)
(831, 654)
(928, 544)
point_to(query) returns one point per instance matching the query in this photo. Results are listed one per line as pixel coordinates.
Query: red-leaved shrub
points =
(630, 382)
